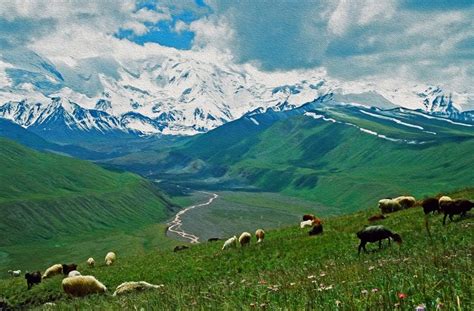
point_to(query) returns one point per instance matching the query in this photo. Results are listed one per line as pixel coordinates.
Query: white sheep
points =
(389, 205)
(306, 223)
(91, 262)
(232, 242)
(443, 200)
(406, 201)
(83, 285)
(260, 235)
(73, 273)
(245, 238)
(128, 287)
(53, 270)
(110, 258)
(14, 273)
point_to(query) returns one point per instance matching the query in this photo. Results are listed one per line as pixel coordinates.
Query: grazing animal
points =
(306, 223)
(456, 207)
(73, 273)
(32, 278)
(180, 248)
(389, 206)
(53, 270)
(444, 200)
(69, 268)
(430, 205)
(91, 262)
(376, 233)
(308, 217)
(110, 258)
(128, 287)
(376, 217)
(406, 201)
(260, 235)
(230, 243)
(213, 239)
(14, 273)
(317, 229)
(82, 285)
(245, 238)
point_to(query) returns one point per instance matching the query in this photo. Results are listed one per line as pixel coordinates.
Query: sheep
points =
(430, 205)
(317, 229)
(128, 287)
(180, 248)
(306, 223)
(456, 207)
(376, 233)
(32, 278)
(91, 262)
(14, 273)
(53, 270)
(110, 258)
(308, 217)
(83, 285)
(443, 201)
(73, 273)
(232, 242)
(68, 268)
(376, 217)
(389, 206)
(245, 238)
(260, 235)
(406, 201)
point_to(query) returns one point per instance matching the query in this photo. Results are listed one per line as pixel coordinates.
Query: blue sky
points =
(429, 41)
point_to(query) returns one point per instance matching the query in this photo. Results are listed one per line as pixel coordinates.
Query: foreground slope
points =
(291, 270)
(44, 197)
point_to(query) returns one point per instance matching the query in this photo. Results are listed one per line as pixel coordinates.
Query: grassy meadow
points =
(291, 270)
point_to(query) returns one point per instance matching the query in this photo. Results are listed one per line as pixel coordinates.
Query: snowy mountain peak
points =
(174, 94)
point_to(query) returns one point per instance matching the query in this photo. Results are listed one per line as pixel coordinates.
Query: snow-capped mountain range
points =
(176, 94)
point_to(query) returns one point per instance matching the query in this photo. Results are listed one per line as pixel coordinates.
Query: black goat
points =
(376, 233)
(33, 278)
(457, 207)
(430, 205)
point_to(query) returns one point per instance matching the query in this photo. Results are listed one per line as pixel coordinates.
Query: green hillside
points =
(47, 200)
(332, 163)
(291, 270)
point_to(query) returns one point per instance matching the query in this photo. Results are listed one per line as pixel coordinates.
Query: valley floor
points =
(291, 270)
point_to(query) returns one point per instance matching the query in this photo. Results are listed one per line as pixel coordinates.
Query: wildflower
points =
(402, 296)
(311, 276)
(364, 292)
(374, 290)
(397, 305)
(371, 268)
(328, 287)
(292, 284)
(262, 282)
(421, 307)
(252, 305)
(338, 303)
(243, 281)
(263, 305)
(322, 274)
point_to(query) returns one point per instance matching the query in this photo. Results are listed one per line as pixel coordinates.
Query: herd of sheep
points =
(77, 285)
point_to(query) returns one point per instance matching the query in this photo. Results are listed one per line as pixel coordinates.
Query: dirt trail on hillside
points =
(175, 225)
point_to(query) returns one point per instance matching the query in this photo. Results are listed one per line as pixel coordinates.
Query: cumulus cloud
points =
(394, 40)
